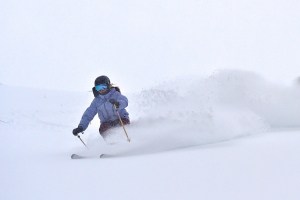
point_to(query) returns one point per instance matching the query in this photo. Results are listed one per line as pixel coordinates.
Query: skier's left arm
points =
(120, 101)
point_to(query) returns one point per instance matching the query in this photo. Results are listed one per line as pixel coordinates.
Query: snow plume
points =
(226, 105)
(175, 114)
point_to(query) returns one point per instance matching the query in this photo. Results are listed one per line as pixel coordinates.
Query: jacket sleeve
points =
(88, 115)
(122, 100)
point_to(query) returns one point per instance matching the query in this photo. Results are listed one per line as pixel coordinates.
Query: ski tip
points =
(105, 156)
(75, 156)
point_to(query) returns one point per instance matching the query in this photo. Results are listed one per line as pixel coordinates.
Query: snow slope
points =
(232, 135)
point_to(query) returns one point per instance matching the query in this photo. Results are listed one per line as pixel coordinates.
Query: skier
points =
(107, 98)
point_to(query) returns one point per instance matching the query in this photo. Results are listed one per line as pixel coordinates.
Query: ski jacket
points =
(106, 111)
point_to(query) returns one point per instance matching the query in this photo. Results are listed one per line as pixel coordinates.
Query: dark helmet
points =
(102, 80)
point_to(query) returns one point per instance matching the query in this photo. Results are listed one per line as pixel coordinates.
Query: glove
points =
(78, 130)
(114, 102)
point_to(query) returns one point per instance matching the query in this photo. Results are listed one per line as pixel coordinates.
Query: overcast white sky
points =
(66, 44)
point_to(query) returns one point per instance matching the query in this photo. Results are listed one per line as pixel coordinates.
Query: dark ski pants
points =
(108, 125)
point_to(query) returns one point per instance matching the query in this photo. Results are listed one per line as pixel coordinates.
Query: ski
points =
(105, 156)
(76, 156)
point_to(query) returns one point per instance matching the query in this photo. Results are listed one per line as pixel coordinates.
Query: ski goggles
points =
(101, 87)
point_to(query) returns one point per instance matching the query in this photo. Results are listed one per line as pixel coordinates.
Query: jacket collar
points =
(108, 95)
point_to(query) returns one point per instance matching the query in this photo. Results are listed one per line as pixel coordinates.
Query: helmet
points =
(102, 80)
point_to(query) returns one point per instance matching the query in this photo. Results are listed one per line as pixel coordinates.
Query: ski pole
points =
(128, 139)
(82, 141)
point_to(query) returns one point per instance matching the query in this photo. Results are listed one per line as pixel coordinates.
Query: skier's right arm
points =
(88, 115)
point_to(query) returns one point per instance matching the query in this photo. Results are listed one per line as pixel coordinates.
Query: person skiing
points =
(107, 102)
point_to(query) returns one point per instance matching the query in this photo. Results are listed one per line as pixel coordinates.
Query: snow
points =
(222, 122)
(231, 135)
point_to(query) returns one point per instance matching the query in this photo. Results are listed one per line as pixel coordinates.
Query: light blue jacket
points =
(106, 111)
